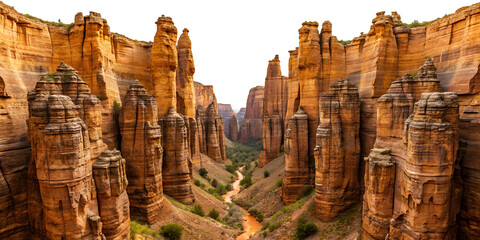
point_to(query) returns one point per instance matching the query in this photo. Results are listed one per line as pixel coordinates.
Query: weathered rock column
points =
(378, 197)
(176, 168)
(184, 79)
(233, 128)
(141, 148)
(297, 164)
(111, 182)
(423, 206)
(164, 65)
(337, 153)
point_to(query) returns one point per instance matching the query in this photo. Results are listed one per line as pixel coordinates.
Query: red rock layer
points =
(233, 124)
(164, 65)
(251, 127)
(111, 182)
(241, 115)
(337, 153)
(274, 111)
(186, 104)
(142, 150)
(226, 111)
(425, 185)
(378, 197)
(298, 166)
(176, 160)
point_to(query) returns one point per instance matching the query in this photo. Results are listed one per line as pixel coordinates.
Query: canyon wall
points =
(241, 114)
(226, 111)
(251, 127)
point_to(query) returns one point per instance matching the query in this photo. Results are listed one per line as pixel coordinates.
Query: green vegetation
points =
(116, 106)
(305, 229)
(344, 42)
(214, 183)
(214, 214)
(241, 154)
(266, 173)
(197, 182)
(229, 187)
(198, 210)
(341, 226)
(100, 97)
(59, 23)
(234, 217)
(282, 149)
(413, 74)
(415, 23)
(257, 214)
(49, 77)
(279, 182)
(136, 227)
(246, 181)
(231, 168)
(203, 172)
(306, 191)
(172, 231)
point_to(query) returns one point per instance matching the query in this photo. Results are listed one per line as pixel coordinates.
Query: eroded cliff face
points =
(251, 127)
(233, 124)
(186, 104)
(226, 111)
(274, 111)
(64, 130)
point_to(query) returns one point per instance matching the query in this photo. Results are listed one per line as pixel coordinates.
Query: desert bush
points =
(279, 182)
(172, 231)
(266, 173)
(214, 213)
(198, 210)
(305, 229)
(203, 172)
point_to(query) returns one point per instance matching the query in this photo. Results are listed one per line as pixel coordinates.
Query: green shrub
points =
(197, 182)
(203, 172)
(221, 189)
(116, 106)
(198, 210)
(172, 231)
(305, 229)
(279, 182)
(214, 213)
(305, 192)
(345, 42)
(246, 181)
(266, 173)
(231, 168)
(282, 149)
(142, 229)
(257, 214)
(416, 23)
(214, 182)
(202, 185)
(229, 187)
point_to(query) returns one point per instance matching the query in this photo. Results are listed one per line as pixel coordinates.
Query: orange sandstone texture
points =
(142, 150)
(233, 125)
(274, 111)
(184, 80)
(251, 127)
(337, 153)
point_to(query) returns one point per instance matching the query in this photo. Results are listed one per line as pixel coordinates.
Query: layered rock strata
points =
(425, 179)
(241, 115)
(176, 159)
(226, 111)
(143, 152)
(233, 125)
(251, 127)
(111, 182)
(337, 153)
(298, 166)
(186, 104)
(274, 111)
(164, 65)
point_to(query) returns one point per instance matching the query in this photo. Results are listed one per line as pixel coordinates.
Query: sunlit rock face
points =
(337, 153)
(143, 152)
(176, 159)
(233, 125)
(186, 101)
(298, 166)
(274, 111)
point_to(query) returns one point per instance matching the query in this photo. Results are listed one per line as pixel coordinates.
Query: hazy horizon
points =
(232, 42)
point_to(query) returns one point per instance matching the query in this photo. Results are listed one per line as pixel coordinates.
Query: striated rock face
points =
(298, 167)
(164, 65)
(233, 125)
(66, 139)
(176, 158)
(251, 127)
(205, 96)
(141, 147)
(425, 185)
(226, 112)
(378, 197)
(186, 104)
(111, 182)
(274, 111)
(337, 153)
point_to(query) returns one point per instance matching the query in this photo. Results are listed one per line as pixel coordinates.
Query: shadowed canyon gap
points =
(97, 129)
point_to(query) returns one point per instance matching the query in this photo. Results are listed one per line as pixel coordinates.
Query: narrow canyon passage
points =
(250, 224)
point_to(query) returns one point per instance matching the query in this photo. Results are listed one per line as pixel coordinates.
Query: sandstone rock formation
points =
(164, 65)
(425, 185)
(251, 127)
(176, 159)
(298, 166)
(337, 153)
(142, 150)
(205, 96)
(111, 182)
(226, 111)
(274, 111)
(184, 82)
(241, 115)
(66, 139)
(233, 125)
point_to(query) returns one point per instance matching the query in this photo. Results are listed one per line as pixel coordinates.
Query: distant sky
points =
(232, 41)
